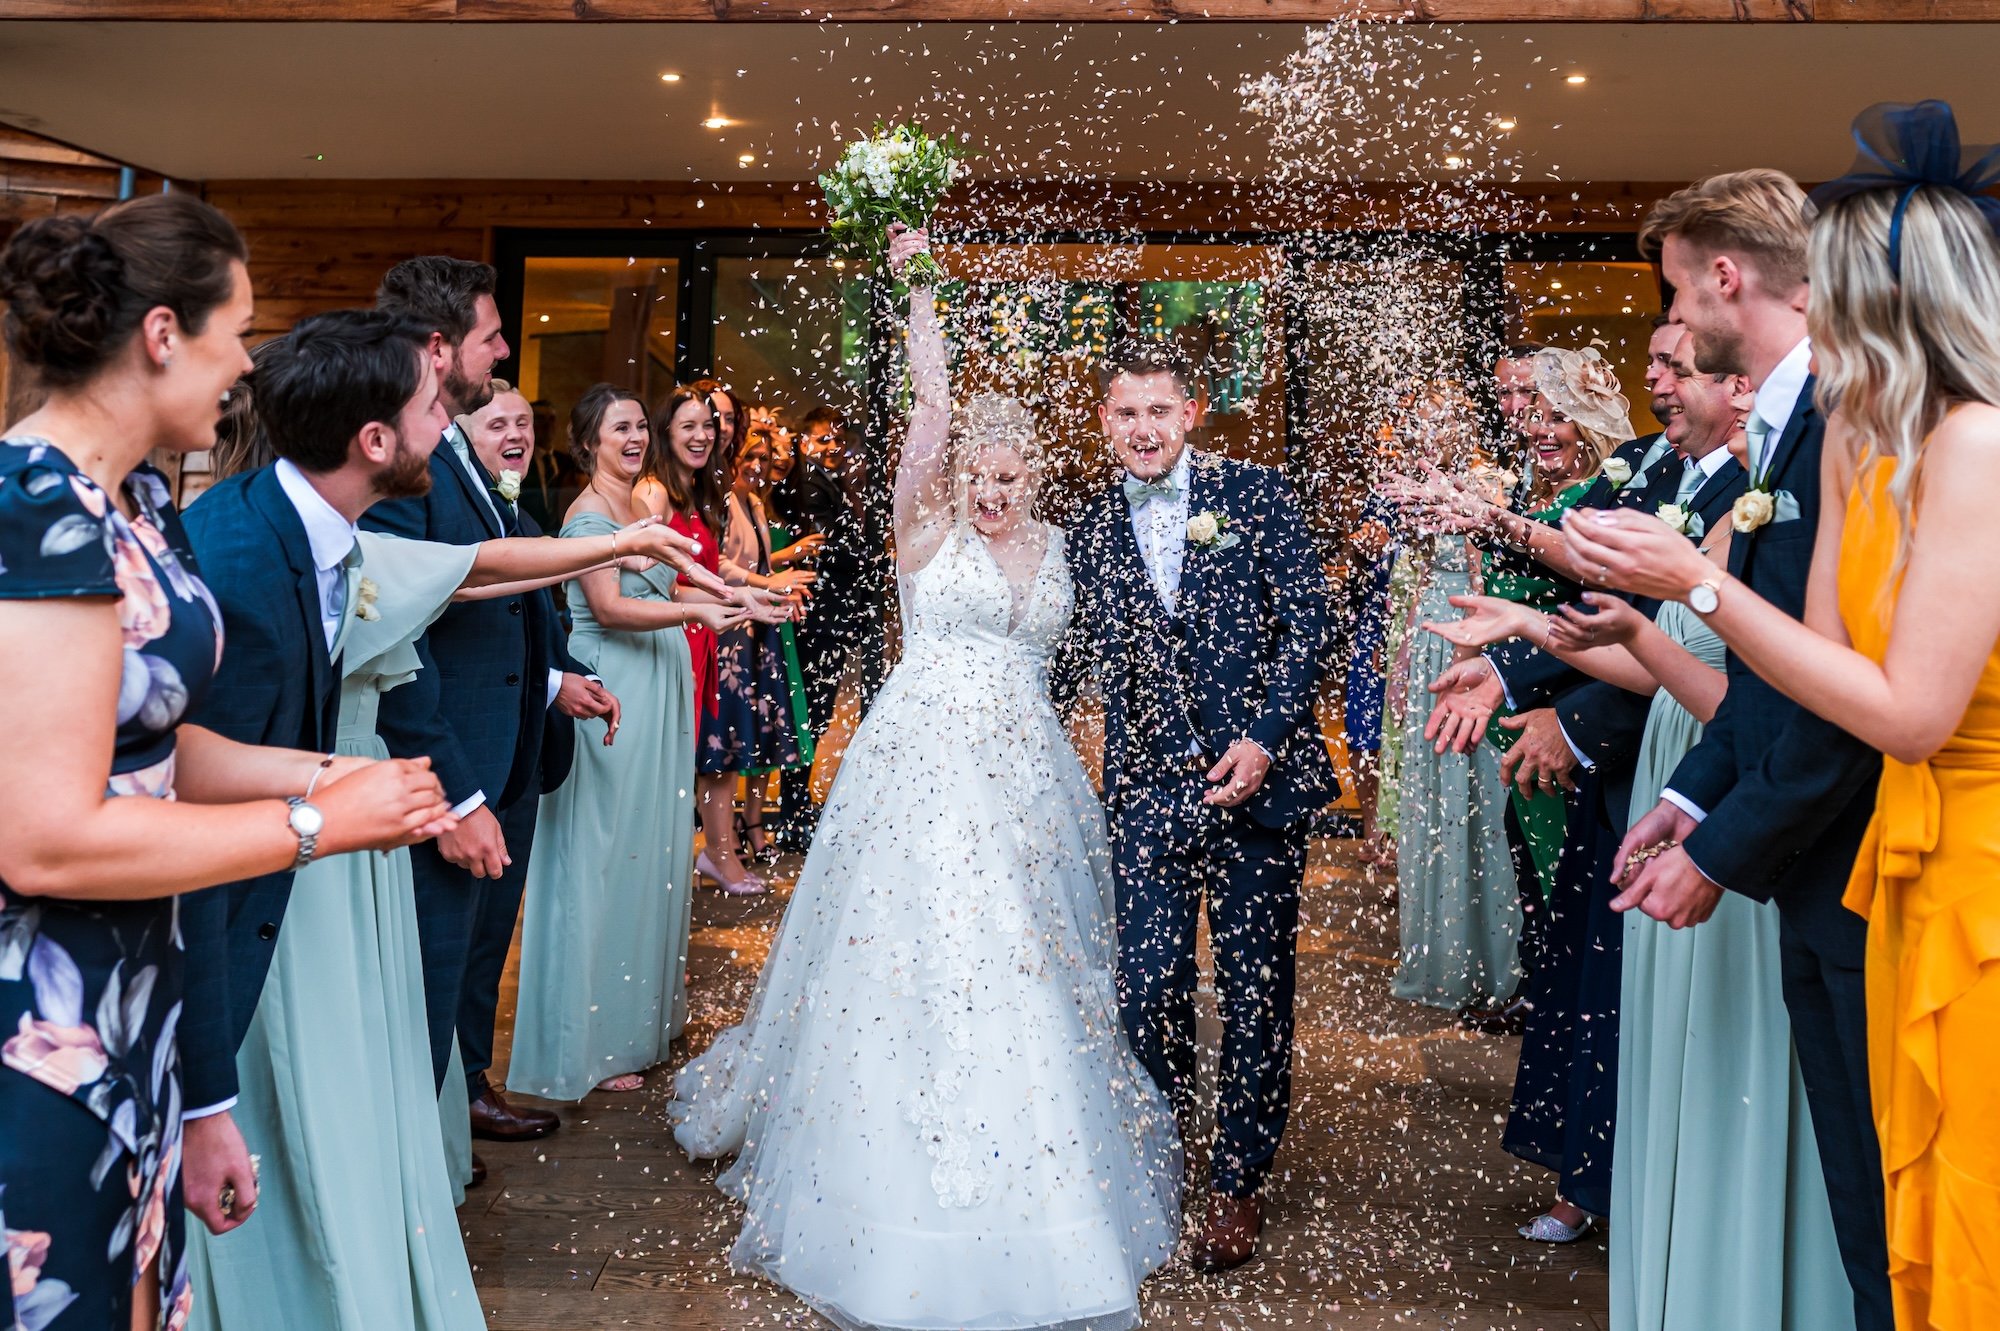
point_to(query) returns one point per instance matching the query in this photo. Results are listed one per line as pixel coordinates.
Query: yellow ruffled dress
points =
(1928, 881)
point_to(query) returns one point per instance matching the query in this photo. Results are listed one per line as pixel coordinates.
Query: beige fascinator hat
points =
(1583, 386)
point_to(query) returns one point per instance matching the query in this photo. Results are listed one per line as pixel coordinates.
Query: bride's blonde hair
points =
(993, 420)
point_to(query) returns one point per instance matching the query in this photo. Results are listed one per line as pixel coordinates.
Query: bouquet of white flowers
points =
(893, 175)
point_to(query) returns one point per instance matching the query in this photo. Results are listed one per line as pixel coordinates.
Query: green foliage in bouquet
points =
(897, 174)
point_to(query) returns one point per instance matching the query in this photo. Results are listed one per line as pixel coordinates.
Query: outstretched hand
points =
(1468, 695)
(1488, 619)
(1611, 619)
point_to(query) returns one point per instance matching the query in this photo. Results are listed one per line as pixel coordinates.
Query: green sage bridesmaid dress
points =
(354, 1228)
(604, 931)
(1719, 1214)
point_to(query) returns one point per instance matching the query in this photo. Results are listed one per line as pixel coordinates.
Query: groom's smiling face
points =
(1147, 418)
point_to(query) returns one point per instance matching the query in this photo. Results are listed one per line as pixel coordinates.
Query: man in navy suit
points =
(1773, 800)
(492, 673)
(1205, 612)
(502, 438)
(276, 547)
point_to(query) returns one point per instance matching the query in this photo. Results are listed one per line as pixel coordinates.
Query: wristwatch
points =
(1703, 597)
(306, 822)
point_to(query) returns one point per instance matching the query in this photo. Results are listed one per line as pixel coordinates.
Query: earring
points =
(167, 360)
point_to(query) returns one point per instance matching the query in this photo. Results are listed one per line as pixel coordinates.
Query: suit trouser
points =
(1821, 949)
(1534, 942)
(1163, 862)
(449, 903)
(494, 915)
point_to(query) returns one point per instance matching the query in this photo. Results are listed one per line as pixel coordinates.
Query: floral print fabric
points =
(90, 1103)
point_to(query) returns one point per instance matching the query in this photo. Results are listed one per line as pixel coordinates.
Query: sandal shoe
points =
(1548, 1229)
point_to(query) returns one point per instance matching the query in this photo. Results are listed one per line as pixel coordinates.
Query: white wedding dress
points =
(937, 1120)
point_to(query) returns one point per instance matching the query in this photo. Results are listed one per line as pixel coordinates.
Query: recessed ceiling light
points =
(1555, 286)
(670, 78)
(715, 122)
(747, 158)
(542, 318)
(1505, 123)
(1577, 80)
(1454, 161)
(1626, 309)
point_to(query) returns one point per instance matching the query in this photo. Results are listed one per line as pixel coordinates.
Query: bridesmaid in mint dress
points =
(604, 928)
(1460, 914)
(354, 1227)
(1719, 1214)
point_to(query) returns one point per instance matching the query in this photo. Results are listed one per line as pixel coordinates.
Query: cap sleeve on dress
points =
(54, 538)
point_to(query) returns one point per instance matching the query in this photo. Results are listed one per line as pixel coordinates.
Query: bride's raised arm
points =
(923, 477)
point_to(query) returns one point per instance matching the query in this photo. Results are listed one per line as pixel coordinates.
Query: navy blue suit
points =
(479, 710)
(276, 686)
(1564, 1112)
(1787, 796)
(1241, 656)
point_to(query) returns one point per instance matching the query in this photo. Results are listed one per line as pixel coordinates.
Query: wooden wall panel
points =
(318, 245)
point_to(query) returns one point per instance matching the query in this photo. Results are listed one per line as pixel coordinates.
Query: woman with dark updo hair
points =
(131, 324)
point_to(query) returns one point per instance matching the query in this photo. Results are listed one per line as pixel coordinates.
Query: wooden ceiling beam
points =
(987, 11)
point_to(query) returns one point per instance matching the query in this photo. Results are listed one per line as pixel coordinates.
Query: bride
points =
(936, 1120)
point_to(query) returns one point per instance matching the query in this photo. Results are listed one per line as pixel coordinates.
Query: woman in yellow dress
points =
(1899, 648)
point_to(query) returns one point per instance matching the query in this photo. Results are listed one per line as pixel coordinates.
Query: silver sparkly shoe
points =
(1548, 1229)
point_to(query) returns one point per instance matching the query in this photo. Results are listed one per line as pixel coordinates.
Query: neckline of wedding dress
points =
(1023, 599)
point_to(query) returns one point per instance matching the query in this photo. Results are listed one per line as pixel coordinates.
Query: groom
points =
(1205, 613)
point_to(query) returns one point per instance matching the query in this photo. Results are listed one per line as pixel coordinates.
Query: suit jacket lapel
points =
(475, 494)
(1781, 448)
(1716, 490)
(269, 498)
(1130, 563)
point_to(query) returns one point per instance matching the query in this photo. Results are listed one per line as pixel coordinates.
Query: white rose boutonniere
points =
(1680, 519)
(509, 486)
(1752, 509)
(1210, 531)
(1618, 471)
(365, 593)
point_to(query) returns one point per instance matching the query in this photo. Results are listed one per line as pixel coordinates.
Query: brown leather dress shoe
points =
(496, 1120)
(478, 1171)
(1228, 1234)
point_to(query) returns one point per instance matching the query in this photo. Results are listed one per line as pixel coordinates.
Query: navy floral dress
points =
(90, 992)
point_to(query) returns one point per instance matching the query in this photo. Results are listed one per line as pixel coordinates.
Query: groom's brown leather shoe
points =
(1228, 1234)
(478, 1173)
(496, 1120)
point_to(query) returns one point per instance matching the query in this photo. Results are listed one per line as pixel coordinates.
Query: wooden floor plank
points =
(1391, 1206)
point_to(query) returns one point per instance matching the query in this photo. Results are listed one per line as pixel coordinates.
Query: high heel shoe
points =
(752, 835)
(749, 885)
(1548, 1229)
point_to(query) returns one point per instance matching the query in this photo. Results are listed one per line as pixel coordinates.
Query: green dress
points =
(1540, 815)
(1719, 1214)
(604, 928)
(782, 538)
(354, 1228)
(1458, 911)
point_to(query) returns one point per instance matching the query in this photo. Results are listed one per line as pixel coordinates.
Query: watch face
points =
(1702, 600)
(306, 820)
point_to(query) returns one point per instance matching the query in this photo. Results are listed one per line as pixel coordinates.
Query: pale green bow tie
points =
(1138, 492)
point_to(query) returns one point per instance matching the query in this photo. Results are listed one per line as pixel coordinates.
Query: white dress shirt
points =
(1160, 526)
(331, 537)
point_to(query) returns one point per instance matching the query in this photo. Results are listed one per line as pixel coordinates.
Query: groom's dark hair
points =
(1145, 358)
(318, 385)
